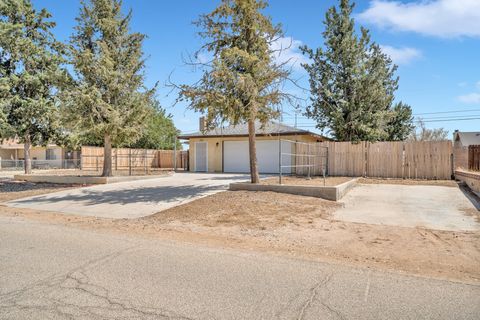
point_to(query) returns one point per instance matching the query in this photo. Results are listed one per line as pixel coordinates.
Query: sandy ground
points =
(296, 226)
(314, 181)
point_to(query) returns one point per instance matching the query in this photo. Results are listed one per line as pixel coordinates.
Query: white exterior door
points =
(236, 156)
(201, 157)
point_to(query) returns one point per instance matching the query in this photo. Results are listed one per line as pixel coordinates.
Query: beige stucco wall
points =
(7, 154)
(40, 153)
(214, 148)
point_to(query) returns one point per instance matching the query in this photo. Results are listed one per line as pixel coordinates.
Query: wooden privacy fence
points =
(135, 159)
(474, 157)
(409, 160)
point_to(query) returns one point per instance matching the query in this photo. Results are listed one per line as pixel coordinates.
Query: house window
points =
(50, 154)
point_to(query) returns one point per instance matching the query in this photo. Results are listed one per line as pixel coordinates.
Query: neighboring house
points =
(461, 141)
(12, 153)
(226, 149)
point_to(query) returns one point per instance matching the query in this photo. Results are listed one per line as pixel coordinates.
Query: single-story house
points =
(461, 142)
(225, 149)
(52, 156)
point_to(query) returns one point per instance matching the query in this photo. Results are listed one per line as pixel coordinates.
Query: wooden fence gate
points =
(124, 159)
(474, 157)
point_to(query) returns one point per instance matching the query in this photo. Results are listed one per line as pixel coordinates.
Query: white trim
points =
(206, 155)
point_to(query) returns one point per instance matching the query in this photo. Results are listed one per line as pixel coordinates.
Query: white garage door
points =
(236, 156)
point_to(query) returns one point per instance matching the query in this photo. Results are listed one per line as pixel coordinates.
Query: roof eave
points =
(295, 133)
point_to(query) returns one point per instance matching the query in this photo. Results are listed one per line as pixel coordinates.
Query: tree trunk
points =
(253, 151)
(26, 150)
(107, 156)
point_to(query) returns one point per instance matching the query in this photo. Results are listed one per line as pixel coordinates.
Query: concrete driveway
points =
(131, 199)
(433, 207)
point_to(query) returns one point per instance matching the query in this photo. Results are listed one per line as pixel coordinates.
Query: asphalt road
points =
(56, 272)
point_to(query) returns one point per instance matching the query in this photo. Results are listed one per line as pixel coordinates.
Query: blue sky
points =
(436, 44)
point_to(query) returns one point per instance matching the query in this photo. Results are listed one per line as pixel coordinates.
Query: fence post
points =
(175, 154)
(326, 162)
(129, 162)
(309, 156)
(145, 161)
(96, 160)
(279, 160)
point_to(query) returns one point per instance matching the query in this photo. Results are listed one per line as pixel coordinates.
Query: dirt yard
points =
(314, 181)
(295, 226)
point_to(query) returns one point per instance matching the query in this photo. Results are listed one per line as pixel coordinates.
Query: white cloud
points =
(471, 98)
(402, 55)
(287, 51)
(440, 18)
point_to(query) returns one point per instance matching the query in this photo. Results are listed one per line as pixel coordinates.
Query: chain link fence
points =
(15, 165)
(302, 159)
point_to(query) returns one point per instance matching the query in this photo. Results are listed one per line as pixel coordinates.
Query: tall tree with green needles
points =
(242, 84)
(109, 100)
(352, 82)
(30, 75)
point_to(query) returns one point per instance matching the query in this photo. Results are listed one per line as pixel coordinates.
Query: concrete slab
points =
(333, 193)
(132, 199)
(433, 207)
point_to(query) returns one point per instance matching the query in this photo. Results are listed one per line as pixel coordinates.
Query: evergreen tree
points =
(109, 101)
(401, 124)
(30, 75)
(352, 81)
(242, 84)
(160, 131)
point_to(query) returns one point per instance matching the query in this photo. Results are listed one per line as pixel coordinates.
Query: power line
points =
(415, 114)
(435, 120)
(464, 119)
(449, 117)
(453, 111)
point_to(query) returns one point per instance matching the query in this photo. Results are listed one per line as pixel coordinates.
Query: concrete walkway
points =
(131, 199)
(433, 207)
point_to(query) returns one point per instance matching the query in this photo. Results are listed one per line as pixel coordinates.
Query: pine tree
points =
(160, 131)
(109, 100)
(242, 84)
(30, 75)
(401, 124)
(352, 81)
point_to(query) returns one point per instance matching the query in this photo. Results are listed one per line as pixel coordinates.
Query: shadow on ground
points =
(165, 194)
